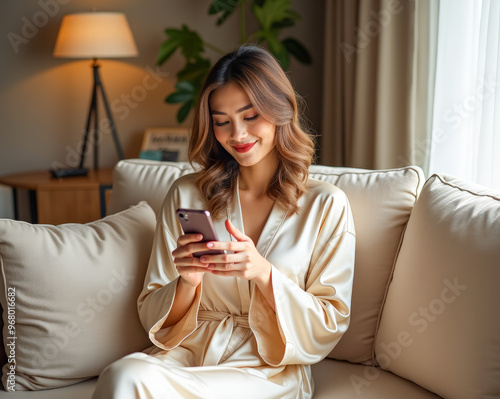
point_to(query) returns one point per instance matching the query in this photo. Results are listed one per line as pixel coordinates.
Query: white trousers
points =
(141, 376)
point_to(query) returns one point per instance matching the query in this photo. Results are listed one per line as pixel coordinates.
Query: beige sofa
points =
(425, 320)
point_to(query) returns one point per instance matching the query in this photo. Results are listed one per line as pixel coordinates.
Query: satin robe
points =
(233, 342)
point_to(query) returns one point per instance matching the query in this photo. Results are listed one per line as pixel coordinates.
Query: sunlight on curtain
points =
(466, 118)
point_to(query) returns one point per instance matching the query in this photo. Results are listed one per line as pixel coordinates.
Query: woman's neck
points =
(257, 178)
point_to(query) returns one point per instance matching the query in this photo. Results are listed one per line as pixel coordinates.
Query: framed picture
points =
(165, 144)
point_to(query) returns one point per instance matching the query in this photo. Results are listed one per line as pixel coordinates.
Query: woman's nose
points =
(239, 132)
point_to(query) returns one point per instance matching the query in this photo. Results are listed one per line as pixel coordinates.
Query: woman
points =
(248, 323)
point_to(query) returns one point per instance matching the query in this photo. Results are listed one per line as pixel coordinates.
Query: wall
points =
(44, 100)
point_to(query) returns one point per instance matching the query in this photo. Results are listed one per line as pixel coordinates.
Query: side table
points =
(52, 200)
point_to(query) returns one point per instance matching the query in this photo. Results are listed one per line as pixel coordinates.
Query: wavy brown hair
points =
(272, 95)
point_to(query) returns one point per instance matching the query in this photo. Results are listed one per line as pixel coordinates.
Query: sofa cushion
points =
(69, 296)
(334, 379)
(381, 203)
(440, 326)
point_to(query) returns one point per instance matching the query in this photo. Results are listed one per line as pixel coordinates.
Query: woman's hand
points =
(245, 261)
(189, 267)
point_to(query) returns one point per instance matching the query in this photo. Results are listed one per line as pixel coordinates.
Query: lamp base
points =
(68, 172)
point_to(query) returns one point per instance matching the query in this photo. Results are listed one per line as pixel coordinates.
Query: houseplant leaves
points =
(271, 15)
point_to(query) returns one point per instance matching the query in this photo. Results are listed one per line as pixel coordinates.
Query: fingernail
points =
(199, 237)
(203, 259)
(210, 244)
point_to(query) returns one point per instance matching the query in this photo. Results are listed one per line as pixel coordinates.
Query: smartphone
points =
(197, 221)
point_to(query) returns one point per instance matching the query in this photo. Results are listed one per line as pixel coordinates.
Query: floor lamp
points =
(94, 35)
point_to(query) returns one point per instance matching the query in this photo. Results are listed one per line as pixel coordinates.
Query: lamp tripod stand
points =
(93, 111)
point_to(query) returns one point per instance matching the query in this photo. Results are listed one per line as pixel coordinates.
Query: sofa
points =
(424, 319)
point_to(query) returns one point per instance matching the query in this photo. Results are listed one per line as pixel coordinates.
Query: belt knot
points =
(212, 315)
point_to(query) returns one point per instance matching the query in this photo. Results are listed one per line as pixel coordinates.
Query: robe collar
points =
(274, 222)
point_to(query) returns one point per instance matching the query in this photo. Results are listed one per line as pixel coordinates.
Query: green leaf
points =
(185, 87)
(185, 92)
(178, 97)
(167, 48)
(298, 50)
(184, 111)
(187, 40)
(226, 7)
(285, 23)
(272, 12)
(278, 49)
(195, 70)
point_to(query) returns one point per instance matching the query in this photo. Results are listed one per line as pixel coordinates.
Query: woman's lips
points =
(244, 147)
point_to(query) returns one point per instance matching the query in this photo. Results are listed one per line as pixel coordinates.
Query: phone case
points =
(196, 221)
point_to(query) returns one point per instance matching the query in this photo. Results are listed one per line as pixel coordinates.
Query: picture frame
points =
(165, 144)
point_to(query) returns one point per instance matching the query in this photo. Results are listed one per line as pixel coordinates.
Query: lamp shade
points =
(95, 35)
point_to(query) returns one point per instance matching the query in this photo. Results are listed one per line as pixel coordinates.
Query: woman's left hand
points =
(245, 261)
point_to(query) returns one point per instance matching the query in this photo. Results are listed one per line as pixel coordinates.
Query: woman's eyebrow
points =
(214, 112)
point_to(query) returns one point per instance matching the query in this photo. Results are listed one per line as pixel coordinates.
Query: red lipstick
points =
(244, 147)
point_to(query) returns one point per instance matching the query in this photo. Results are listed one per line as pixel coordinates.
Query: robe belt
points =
(221, 337)
(209, 315)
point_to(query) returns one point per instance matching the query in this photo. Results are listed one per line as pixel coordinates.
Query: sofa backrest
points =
(135, 180)
(381, 203)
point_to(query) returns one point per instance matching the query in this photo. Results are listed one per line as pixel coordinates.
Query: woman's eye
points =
(251, 118)
(219, 124)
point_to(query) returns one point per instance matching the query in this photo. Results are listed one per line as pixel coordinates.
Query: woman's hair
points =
(273, 97)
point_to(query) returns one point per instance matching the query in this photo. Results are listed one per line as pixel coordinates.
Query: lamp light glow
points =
(95, 35)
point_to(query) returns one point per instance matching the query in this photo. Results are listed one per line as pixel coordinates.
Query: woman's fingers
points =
(188, 244)
(190, 261)
(187, 238)
(238, 235)
(192, 269)
(237, 257)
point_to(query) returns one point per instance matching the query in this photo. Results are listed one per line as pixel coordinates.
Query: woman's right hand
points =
(189, 267)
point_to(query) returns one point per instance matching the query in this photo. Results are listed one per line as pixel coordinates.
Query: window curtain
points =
(378, 82)
(466, 115)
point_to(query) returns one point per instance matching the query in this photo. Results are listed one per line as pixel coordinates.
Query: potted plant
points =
(272, 17)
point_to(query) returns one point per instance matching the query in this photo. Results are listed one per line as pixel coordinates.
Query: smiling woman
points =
(278, 300)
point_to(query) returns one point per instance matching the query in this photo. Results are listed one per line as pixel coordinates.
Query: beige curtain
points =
(377, 83)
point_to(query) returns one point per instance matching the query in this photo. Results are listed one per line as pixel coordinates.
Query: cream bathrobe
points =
(231, 344)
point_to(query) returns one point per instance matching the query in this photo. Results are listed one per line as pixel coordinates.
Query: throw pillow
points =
(440, 326)
(69, 296)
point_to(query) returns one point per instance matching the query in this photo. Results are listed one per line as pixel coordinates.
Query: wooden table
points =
(52, 200)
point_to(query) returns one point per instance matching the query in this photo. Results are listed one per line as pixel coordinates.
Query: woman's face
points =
(245, 134)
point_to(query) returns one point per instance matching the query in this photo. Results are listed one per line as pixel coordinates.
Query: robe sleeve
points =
(159, 290)
(308, 322)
